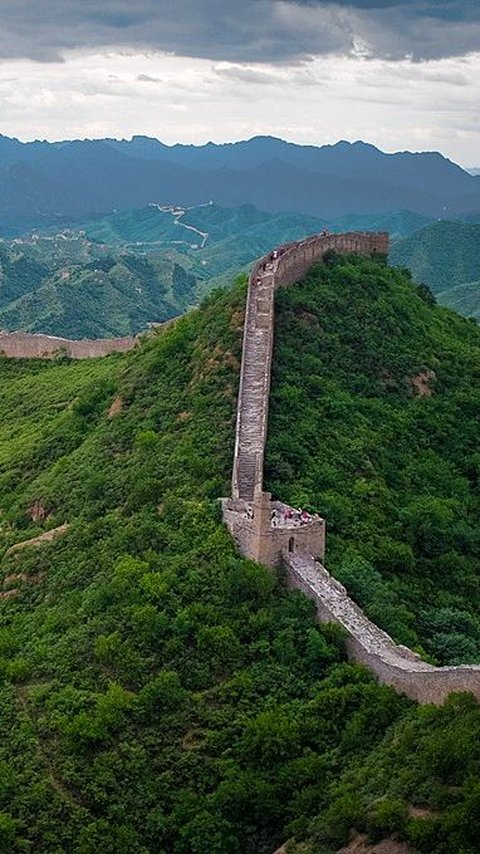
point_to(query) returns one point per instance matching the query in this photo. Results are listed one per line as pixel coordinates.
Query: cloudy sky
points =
(403, 74)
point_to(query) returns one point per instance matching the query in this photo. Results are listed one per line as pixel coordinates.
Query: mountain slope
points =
(463, 298)
(71, 287)
(441, 255)
(371, 383)
(156, 688)
(160, 694)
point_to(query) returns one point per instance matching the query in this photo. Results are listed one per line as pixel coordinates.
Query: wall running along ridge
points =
(25, 345)
(248, 513)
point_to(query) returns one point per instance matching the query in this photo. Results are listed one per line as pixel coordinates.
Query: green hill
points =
(463, 298)
(371, 384)
(75, 288)
(106, 298)
(160, 694)
(442, 255)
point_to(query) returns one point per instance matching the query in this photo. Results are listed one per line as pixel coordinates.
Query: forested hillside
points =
(72, 287)
(465, 299)
(442, 255)
(373, 418)
(160, 694)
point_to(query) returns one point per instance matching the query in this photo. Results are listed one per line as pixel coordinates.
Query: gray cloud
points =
(145, 78)
(253, 31)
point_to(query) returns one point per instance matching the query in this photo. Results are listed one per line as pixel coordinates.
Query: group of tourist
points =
(287, 516)
(284, 516)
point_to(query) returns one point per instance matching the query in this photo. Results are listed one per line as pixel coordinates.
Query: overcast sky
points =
(402, 75)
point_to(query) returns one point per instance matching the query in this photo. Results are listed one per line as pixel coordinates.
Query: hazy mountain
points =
(465, 299)
(441, 255)
(43, 183)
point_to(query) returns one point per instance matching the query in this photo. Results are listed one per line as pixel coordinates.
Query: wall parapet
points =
(26, 345)
(392, 663)
(281, 267)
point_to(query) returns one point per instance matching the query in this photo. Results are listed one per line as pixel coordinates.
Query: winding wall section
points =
(248, 513)
(283, 266)
(25, 345)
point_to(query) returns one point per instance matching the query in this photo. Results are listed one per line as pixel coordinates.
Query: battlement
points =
(265, 529)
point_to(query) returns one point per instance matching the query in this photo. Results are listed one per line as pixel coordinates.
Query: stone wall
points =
(23, 345)
(392, 664)
(248, 513)
(259, 538)
(283, 266)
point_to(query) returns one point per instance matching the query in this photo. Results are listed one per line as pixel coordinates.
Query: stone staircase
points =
(254, 388)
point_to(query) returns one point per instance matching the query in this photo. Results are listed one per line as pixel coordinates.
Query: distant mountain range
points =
(45, 183)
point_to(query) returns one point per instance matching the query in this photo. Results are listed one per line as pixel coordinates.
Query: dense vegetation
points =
(443, 254)
(69, 286)
(159, 694)
(374, 421)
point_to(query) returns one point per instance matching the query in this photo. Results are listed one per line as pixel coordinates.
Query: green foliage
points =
(373, 422)
(160, 694)
(443, 254)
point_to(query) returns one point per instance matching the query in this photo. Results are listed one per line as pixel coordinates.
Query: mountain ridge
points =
(73, 180)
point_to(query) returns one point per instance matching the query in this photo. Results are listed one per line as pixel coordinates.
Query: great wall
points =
(26, 345)
(267, 531)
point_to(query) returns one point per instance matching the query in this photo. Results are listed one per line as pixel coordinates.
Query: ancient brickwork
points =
(252, 517)
(23, 345)
(265, 539)
(393, 664)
